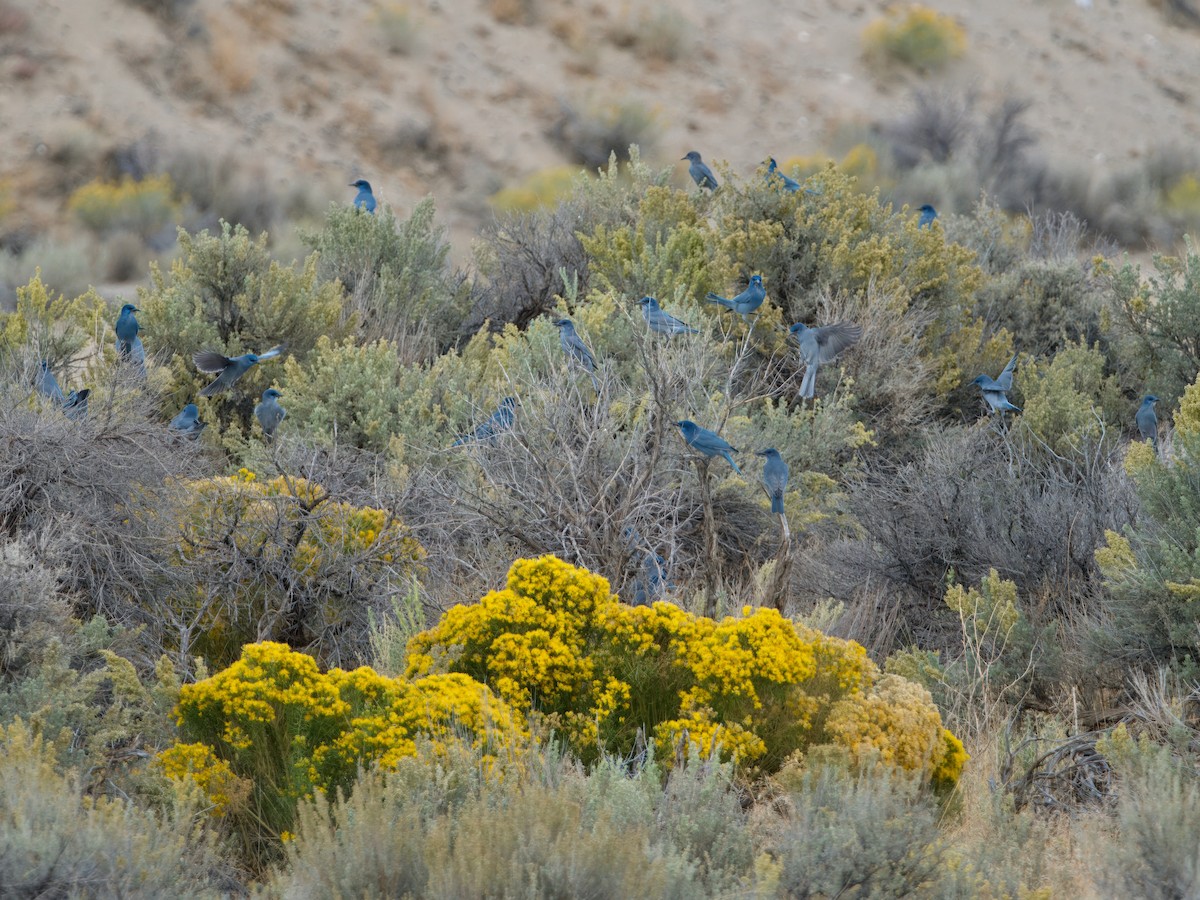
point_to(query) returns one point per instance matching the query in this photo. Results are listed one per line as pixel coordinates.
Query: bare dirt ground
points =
(307, 93)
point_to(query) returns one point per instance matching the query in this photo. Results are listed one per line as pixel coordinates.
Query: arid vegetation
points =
(392, 653)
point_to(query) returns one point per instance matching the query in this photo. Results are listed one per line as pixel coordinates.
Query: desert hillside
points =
(290, 100)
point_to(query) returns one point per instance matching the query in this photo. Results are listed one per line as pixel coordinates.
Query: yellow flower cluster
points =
(557, 644)
(274, 718)
(213, 775)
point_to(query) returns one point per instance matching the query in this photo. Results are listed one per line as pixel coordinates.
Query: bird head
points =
(771, 164)
(252, 358)
(43, 365)
(928, 210)
(692, 156)
(192, 409)
(770, 451)
(798, 328)
(647, 301)
(563, 323)
(979, 379)
(128, 308)
(756, 279)
(508, 402)
(271, 394)
(1150, 400)
(686, 424)
(362, 184)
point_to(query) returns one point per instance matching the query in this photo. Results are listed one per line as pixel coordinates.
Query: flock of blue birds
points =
(817, 346)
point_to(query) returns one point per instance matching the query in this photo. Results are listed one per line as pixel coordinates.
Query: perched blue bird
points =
(707, 442)
(230, 370)
(364, 199)
(746, 302)
(701, 174)
(187, 422)
(269, 413)
(47, 384)
(649, 586)
(791, 185)
(928, 214)
(500, 420)
(663, 322)
(821, 345)
(775, 477)
(76, 404)
(576, 349)
(996, 392)
(1147, 420)
(127, 329)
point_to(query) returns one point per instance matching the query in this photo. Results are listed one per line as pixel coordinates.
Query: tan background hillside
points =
(307, 94)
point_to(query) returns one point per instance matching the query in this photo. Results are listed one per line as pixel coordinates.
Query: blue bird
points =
(1147, 420)
(187, 422)
(229, 369)
(47, 384)
(775, 477)
(500, 420)
(928, 214)
(821, 345)
(269, 413)
(701, 174)
(364, 199)
(649, 586)
(996, 392)
(791, 185)
(746, 302)
(707, 442)
(576, 349)
(663, 322)
(127, 329)
(76, 404)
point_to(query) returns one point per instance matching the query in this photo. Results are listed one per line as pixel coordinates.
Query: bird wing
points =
(273, 352)
(1004, 382)
(581, 352)
(833, 339)
(211, 361)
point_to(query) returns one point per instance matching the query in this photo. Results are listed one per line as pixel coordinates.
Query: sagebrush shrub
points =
(915, 36)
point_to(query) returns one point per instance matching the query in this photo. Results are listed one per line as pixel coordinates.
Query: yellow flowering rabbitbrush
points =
(757, 688)
(275, 721)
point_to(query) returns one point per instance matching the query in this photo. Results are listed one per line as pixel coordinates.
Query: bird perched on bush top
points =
(269, 413)
(187, 422)
(821, 345)
(996, 392)
(230, 369)
(707, 442)
(775, 477)
(364, 199)
(663, 322)
(127, 329)
(746, 302)
(1147, 420)
(928, 214)
(791, 185)
(701, 173)
(576, 349)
